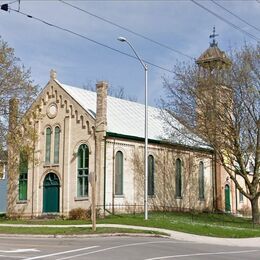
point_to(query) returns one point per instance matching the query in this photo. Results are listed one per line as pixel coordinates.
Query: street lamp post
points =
(122, 39)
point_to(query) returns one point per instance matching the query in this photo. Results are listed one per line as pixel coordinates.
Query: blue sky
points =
(179, 24)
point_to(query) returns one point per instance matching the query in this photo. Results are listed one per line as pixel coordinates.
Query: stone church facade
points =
(82, 134)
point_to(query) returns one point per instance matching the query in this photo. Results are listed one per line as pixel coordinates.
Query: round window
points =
(52, 110)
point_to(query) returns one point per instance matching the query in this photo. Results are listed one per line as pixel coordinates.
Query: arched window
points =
(201, 180)
(56, 144)
(23, 174)
(83, 170)
(178, 178)
(150, 175)
(2, 170)
(241, 197)
(48, 145)
(119, 173)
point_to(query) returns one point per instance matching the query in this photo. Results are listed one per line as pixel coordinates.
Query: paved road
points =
(118, 248)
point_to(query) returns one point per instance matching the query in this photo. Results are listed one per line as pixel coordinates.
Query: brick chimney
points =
(101, 109)
(100, 133)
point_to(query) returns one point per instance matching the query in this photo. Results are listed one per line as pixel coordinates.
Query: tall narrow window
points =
(201, 180)
(178, 178)
(48, 145)
(150, 175)
(2, 174)
(56, 144)
(23, 174)
(241, 197)
(119, 174)
(83, 170)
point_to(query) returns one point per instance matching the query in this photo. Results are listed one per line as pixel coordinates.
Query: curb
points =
(84, 236)
(237, 242)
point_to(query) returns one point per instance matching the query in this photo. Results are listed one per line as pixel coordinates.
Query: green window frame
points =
(83, 171)
(150, 175)
(23, 176)
(119, 172)
(56, 144)
(178, 178)
(201, 181)
(48, 145)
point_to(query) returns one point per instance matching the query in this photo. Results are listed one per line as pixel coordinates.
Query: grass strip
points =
(73, 231)
(208, 224)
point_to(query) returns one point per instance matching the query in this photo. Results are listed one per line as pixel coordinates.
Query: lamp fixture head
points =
(121, 39)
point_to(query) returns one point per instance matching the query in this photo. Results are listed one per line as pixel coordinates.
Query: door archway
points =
(227, 198)
(51, 193)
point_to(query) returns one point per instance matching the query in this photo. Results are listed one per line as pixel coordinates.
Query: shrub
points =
(245, 211)
(79, 213)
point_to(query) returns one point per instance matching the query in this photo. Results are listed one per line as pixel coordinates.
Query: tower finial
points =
(214, 35)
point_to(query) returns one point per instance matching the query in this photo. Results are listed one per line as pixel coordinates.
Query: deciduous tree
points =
(223, 109)
(15, 82)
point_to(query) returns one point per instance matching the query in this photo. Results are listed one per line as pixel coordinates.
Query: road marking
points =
(20, 250)
(61, 253)
(127, 245)
(203, 254)
(8, 256)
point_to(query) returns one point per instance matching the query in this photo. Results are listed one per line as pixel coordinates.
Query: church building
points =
(82, 134)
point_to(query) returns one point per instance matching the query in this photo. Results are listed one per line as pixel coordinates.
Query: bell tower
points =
(214, 108)
(213, 58)
(213, 93)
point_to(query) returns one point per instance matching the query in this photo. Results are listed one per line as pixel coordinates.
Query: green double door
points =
(51, 193)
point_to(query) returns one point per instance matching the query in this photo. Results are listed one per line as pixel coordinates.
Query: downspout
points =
(113, 179)
(105, 160)
(63, 165)
(164, 178)
(214, 178)
(236, 192)
(189, 187)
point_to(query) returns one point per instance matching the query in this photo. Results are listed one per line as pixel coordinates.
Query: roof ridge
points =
(109, 96)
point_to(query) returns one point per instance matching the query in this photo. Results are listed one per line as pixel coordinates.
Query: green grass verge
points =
(217, 225)
(71, 231)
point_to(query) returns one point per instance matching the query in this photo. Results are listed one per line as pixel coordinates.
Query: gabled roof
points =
(127, 117)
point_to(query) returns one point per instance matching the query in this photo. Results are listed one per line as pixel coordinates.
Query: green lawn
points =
(71, 231)
(218, 225)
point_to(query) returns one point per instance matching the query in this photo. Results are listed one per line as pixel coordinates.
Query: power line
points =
(238, 17)
(87, 38)
(128, 30)
(226, 21)
(100, 1)
(12, 2)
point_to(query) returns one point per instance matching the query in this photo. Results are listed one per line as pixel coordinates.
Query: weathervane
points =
(214, 43)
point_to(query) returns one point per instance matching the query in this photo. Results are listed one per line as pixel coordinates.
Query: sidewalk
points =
(240, 242)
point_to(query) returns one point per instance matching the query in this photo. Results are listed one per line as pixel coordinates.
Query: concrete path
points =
(240, 242)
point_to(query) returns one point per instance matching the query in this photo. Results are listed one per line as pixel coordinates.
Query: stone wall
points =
(164, 196)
